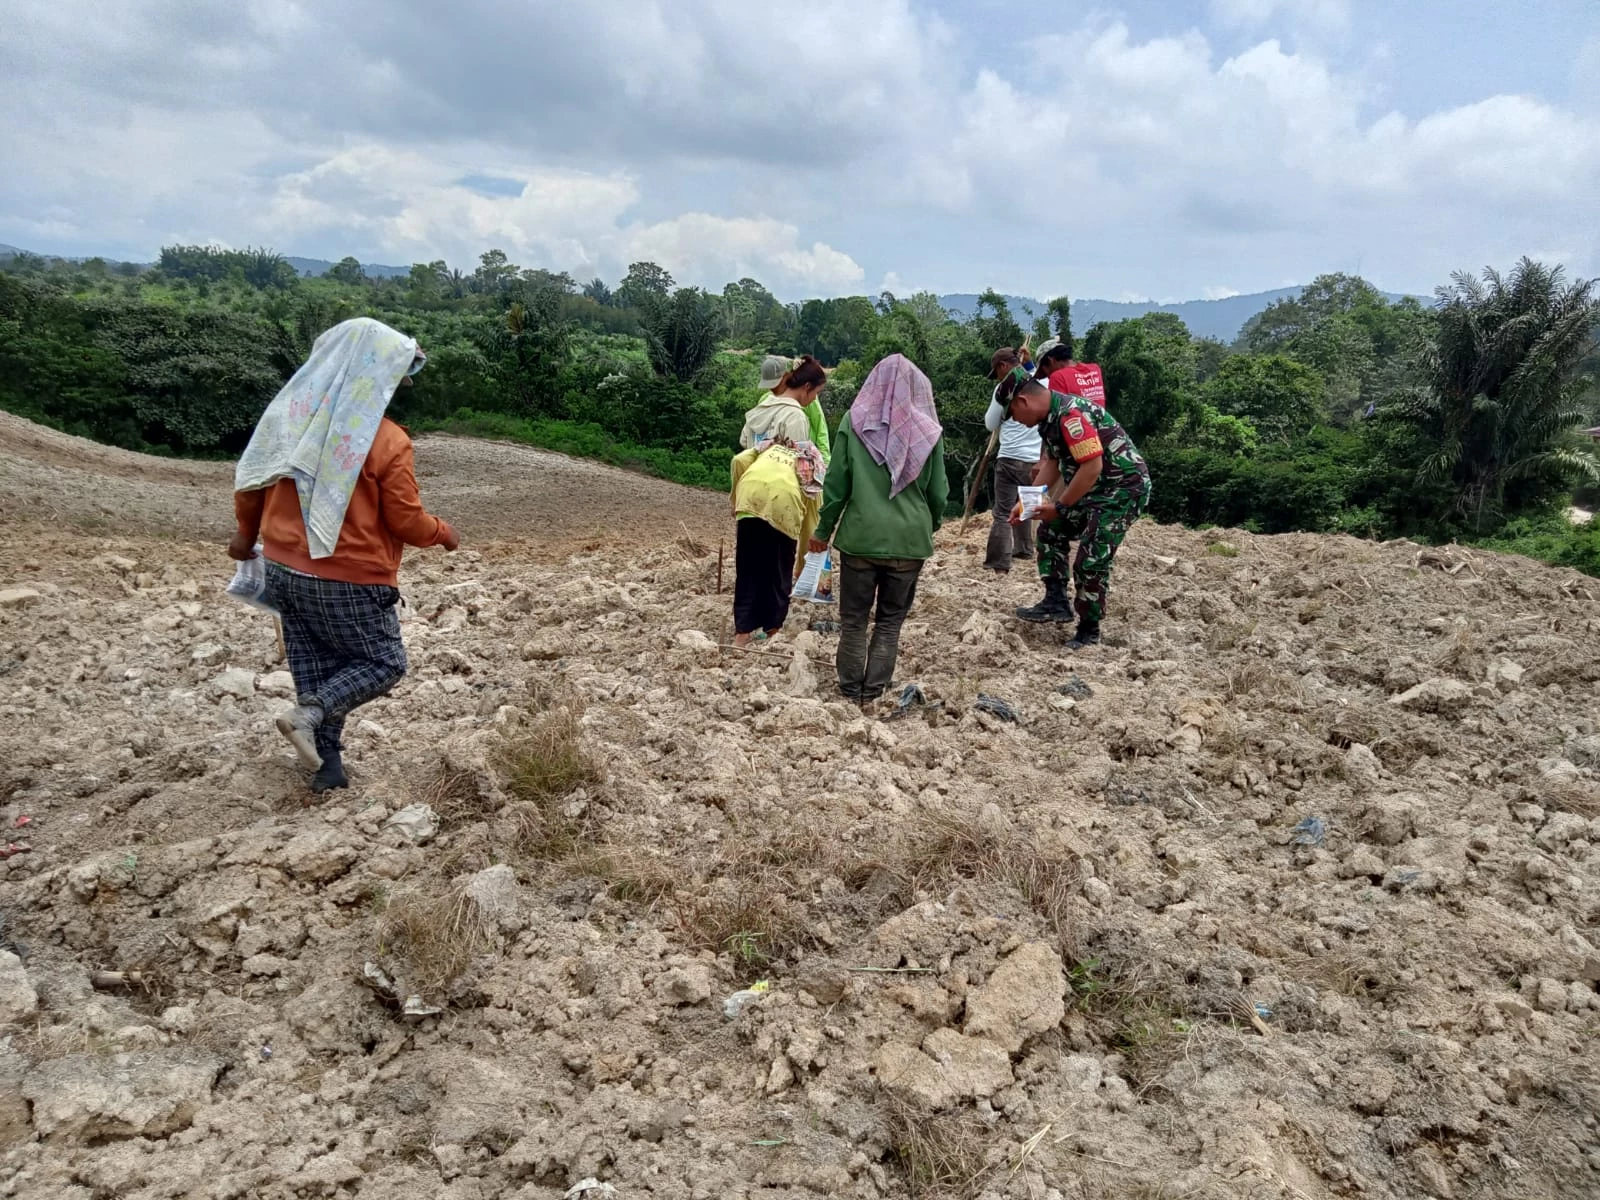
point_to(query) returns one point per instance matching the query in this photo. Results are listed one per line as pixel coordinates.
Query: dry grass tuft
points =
(1573, 796)
(752, 918)
(1136, 1012)
(456, 795)
(545, 760)
(941, 847)
(436, 936)
(631, 876)
(939, 1155)
(541, 765)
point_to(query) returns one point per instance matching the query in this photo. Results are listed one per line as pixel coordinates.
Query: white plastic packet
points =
(816, 578)
(1031, 498)
(249, 583)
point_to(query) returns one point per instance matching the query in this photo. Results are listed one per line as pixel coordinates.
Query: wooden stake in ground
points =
(721, 545)
(977, 480)
(983, 463)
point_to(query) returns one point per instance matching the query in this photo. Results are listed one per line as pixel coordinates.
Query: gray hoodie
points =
(777, 417)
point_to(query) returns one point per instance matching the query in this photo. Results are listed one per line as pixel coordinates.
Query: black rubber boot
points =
(330, 775)
(1088, 635)
(1054, 607)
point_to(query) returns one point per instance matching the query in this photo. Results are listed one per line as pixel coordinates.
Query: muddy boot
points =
(1088, 634)
(1054, 607)
(330, 775)
(299, 725)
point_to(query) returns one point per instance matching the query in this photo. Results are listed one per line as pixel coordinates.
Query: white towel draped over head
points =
(319, 428)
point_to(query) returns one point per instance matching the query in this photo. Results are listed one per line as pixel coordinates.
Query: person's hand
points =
(817, 545)
(1016, 513)
(241, 548)
(1048, 511)
(451, 539)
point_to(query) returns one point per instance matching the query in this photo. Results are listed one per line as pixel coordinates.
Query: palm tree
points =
(681, 333)
(1499, 399)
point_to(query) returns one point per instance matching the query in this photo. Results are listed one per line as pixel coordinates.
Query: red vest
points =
(1081, 379)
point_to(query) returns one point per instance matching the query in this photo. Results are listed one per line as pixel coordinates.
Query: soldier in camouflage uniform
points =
(1107, 488)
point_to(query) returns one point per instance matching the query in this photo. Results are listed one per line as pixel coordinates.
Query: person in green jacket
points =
(883, 498)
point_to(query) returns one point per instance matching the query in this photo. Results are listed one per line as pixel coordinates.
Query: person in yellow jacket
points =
(776, 515)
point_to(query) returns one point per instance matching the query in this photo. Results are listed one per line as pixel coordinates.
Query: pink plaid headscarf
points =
(894, 417)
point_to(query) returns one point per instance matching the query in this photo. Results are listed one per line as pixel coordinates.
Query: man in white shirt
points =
(1020, 450)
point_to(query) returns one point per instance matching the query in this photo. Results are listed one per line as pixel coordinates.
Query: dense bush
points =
(1336, 411)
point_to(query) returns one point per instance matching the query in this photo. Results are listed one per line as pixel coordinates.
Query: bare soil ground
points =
(1292, 889)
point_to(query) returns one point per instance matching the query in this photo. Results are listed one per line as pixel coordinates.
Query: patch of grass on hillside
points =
(1552, 539)
(581, 439)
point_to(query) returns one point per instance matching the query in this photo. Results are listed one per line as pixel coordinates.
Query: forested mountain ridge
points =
(1221, 318)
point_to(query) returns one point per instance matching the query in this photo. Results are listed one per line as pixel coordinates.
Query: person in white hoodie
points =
(781, 416)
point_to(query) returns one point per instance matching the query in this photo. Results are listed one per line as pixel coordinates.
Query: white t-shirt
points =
(1017, 441)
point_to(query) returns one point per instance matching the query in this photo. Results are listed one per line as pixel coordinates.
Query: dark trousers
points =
(343, 641)
(1008, 541)
(763, 565)
(865, 670)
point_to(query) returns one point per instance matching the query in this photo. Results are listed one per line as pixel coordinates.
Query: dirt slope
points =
(1291, 892)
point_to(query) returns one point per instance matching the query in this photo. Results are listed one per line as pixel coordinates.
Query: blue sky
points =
(1122, 150)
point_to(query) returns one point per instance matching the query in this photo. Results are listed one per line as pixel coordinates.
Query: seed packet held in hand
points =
(1031, 498)
(249, 583)
(816, 578)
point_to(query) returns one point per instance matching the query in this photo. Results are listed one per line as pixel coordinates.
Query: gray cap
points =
(773, 368)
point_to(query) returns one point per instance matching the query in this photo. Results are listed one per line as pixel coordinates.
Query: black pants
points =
(763, 565)
(865, 670)
(1008, 541)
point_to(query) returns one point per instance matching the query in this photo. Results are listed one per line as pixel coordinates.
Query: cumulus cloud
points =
(1326, 14)
(417, 204)
(811, 143)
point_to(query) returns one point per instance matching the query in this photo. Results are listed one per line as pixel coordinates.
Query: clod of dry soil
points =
(1288, 890)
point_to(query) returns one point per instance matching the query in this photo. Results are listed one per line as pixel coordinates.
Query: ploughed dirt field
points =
(1291, 889)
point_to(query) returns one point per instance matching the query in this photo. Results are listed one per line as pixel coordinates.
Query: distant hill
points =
(1221, 319)
(321, 266)
(306, 266)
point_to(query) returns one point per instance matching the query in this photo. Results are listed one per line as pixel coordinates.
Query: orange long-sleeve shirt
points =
(385, 516)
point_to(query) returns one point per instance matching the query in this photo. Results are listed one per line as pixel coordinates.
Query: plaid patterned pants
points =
(343, 641)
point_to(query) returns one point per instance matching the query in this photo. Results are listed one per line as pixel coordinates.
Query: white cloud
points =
(725, 138)
(413, 205)
(1325, 14)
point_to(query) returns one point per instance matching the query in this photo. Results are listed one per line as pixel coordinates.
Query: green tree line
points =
(1337, 411)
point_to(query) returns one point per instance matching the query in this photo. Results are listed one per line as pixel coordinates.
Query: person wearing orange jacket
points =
(327, 484)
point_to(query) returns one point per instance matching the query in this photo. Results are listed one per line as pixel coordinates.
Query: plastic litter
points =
(995, 707)
(1076, 688)
(266, 1053)
(912, 698)
(1263, 1011)
(824, 626)
(587, 1187)
(12, 848)
(1312, 831)
(23, 821)
(741, 1000)
(249, 583)
(416, 1006)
